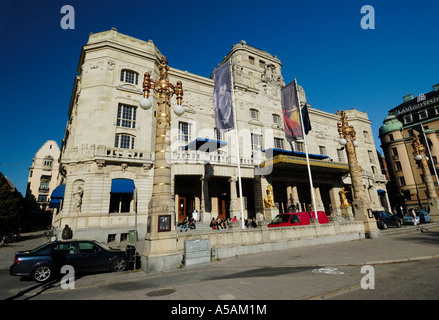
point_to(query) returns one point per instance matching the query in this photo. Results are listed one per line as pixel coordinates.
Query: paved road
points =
(314, 272)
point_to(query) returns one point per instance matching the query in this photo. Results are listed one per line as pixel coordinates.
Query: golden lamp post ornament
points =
(433, 200)
(161, 241)
(360, 203)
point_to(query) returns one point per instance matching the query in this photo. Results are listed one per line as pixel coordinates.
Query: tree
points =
(10, 207)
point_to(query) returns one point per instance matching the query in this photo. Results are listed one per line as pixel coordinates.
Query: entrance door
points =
(181, 208)
(221, 208)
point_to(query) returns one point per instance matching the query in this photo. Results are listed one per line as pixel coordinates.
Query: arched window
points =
(129, 76)
(254, 114)
(125, 141)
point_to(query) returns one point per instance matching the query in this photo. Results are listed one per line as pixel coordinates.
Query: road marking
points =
(327, 270)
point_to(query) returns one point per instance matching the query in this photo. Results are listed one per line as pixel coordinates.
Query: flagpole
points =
(306, 151)
(236, 142)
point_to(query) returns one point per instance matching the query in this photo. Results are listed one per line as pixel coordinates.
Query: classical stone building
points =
(43, 174)
(108, 149)
(407, 181)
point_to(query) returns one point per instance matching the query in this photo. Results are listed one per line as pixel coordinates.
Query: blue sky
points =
(320, 42)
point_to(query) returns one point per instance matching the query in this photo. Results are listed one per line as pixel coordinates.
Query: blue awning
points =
(274, 152)
(207, 145)
(58, 193)
(54, 203)
(122, 186)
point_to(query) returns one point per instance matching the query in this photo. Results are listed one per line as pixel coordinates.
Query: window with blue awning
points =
(122, 186)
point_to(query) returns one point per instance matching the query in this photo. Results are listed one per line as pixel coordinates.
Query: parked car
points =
(297, 219)
(385, 219)
(422, 216)
(43, 262)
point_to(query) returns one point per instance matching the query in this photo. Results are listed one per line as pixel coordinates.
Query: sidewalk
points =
(301, 273)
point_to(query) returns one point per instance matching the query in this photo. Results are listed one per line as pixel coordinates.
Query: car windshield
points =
(103, 246)
(281, 218)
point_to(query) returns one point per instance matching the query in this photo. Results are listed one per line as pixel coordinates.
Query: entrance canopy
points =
(272, 152)
(290, 163)
(122, 186)
(206, 145)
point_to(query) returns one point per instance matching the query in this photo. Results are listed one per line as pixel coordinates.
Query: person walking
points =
(414, 217)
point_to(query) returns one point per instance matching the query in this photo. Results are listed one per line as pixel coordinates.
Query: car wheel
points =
(119, 264)
(42, 273)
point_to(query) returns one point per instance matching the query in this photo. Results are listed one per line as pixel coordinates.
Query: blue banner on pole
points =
(222, 98)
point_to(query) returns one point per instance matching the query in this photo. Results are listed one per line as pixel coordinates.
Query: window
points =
(276, 118)
(124, 141)
(120, 202)
(251, 60)
(129, 76)
(219, 134)
(254, 114)
(44, 185)
(423, 114)
(398, 166)
(394, 152)
(88, 248)
(402, 181)
(366, 134)
(184, 131)
(42, 198)
(111, 238)
(322, 150)
(391, 137)
(371, 158)
(123, 237)
(256, 141)
(261, 63)
(411, 133)
(408, 119)
(298, 146)
(278, 143)
(340, 155)
(126, 116)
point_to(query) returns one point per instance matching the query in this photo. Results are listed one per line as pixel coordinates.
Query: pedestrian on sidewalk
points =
(412, 211)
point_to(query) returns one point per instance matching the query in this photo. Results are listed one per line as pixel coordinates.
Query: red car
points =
(297, 219)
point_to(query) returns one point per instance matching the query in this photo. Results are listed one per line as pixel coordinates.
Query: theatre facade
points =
(107, 154)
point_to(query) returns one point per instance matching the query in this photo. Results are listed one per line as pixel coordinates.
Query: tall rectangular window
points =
(322, 150)
(298, 146)
(126, 116)
(278, 143)
(184, 131)
(371, 158)
(340, 155)
(256, 142)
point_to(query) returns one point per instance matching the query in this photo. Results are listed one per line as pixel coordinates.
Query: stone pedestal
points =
(360, 208)
(434, 209)
(346, 213)
(270, 213)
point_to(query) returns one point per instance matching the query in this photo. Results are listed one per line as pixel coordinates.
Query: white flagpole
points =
(306, 152)
(235, 123)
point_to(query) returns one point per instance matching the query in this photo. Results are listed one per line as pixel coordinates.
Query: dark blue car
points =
(385, 219)
(47, 260)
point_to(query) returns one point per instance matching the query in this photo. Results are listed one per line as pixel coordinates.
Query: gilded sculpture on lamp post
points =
(360, 203)
(419, 153)
(161, 247)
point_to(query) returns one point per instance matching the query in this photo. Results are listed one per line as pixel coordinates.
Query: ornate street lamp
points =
(161, 241)
(361, 204)
(419, 153)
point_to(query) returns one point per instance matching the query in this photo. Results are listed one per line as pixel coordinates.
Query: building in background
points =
(43, 174)
(407, 183)
(107, 154)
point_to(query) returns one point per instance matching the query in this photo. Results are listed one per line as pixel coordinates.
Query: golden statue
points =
(269, 199)
(344, 200)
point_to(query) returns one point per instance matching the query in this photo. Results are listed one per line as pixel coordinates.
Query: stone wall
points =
(234, 242)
